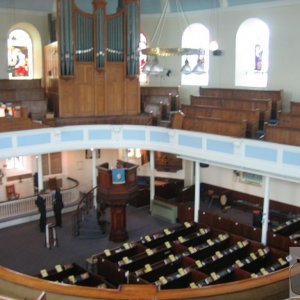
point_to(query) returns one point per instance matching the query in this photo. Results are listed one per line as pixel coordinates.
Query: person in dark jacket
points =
(40, 202)
(58, 205)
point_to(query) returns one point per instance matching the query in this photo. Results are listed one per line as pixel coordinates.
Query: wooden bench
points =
(215, 126)
(162, 91)
(14, 124)
(164, 100)
(27, 93)
(287, 119)
(282, 135)
(250, 116)
(274, 95)
(264, 105)
(295, 107)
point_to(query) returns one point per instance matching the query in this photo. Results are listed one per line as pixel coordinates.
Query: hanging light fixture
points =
(155, 68)
(199, 68)
(186, 68)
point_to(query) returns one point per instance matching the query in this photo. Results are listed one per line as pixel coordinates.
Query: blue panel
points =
(105, 134)
(220, 146)
(5, 143)
(190, 141)
(72, 135)
(291, 158)
(159, 137)
(134, 135)
(34, 139)
(262, 153)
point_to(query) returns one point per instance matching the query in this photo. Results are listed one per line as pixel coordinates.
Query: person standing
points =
(40, 202)
(58, 205)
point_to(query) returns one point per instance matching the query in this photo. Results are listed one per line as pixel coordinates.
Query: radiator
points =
(165, 211)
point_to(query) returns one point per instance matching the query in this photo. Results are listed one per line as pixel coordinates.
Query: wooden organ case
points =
(92, 69)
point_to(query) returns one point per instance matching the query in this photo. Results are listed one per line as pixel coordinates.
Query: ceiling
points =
(147, 6)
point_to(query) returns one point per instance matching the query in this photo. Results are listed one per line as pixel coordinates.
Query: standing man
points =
(58, 205)
(40, 202)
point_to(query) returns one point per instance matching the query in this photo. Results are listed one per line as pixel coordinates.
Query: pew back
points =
(215, 126)
(250, 116)
(274, 95)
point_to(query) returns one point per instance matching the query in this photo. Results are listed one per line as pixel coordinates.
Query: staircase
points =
(90, 227)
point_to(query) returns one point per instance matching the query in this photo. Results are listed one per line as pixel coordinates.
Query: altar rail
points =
(12, 212)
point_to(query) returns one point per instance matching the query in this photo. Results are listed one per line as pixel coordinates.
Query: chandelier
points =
(152, 66)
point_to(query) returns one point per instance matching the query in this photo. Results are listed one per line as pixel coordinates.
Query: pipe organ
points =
(92, 69)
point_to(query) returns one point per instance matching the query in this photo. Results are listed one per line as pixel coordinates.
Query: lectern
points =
(116, 186)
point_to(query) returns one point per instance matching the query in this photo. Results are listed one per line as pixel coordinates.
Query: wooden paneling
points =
(84, 89)
(100, 104)
(132, 95)
(114, 82)
(67, 103)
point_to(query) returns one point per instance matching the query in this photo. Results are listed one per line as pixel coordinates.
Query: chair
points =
(11, 193)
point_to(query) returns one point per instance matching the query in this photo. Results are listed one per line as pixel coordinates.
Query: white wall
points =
(36, 24)
(281, 191)
(283, 22)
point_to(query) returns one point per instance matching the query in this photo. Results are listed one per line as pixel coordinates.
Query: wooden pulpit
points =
(116, 186)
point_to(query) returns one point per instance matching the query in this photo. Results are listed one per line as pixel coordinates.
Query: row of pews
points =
(226, 111)
(73, 274)
(233, 112)
(287, 128)
(184, 256)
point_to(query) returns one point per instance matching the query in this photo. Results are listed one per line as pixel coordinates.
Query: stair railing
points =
(84, 207)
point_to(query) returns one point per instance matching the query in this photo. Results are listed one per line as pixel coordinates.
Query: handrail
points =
(24, 207)
(29, 286)
(83, 208)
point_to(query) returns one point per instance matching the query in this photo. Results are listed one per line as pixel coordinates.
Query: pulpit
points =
(116, 186)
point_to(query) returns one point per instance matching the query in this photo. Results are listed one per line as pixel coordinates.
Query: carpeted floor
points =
(23, 246)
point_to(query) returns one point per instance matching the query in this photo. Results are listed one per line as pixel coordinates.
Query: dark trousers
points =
(43, 221)
(57, 214)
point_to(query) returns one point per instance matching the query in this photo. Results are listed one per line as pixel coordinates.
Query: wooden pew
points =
(164, 100)
(274, 95)
(295, 107)
(215, 126)
(250, 116)
(14, 124)
(264, 105)
(290, 120)
(282, 135)
(162, 91)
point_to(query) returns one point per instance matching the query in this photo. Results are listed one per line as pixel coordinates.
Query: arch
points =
(37, 49)
(189, 40)
(252, 54)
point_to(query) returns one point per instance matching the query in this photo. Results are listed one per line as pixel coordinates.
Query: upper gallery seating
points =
(25, 93)
(274, 95)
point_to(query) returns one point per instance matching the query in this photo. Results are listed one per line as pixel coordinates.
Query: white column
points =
(40, 172)
(94, 176)
(265, 216)
(189, 178)
(152, 179)
(197, 192)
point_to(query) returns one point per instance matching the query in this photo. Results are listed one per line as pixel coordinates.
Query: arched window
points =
(196, 36)
(143, 59)
(252, 54)
(19, 53)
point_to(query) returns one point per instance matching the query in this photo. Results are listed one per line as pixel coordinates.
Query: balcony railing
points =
(14, 210)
